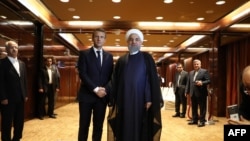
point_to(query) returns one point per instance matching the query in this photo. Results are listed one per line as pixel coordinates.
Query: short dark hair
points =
(98, 30)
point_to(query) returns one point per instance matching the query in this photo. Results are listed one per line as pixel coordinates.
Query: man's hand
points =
(40, 90)
(101, 92)
(4, 102)
(148, 105)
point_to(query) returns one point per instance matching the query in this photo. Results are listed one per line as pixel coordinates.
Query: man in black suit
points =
(49, 84)
(197, 88)
(180, 81)
(95, 73)
(13, 93)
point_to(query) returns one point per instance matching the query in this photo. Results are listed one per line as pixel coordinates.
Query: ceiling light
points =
(157, 24)
(116, 17)
(48, 39)
(76, 17)
(159, 18)
(220, 2)
(170, 25)
(116, 1)
(70, 38)
(3, 17)
(85, 23)
(64, 0)
(243, 13)
(20, 23)
(200, 19)
(240, 26)
(209, 11)
(162, 24)
(191, 40)
(168, 1)
(71, 9)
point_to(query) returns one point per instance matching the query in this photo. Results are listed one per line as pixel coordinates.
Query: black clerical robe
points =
(140, 71)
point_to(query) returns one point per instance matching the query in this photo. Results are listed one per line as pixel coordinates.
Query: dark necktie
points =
(99, 58)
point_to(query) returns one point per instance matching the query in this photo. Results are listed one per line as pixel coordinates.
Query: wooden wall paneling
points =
(69, 84)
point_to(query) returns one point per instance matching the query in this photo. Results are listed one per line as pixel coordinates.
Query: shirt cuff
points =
(96, 89)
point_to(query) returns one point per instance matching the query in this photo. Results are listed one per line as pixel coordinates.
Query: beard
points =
(133, 49)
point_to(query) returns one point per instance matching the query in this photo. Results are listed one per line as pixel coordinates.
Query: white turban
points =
(134, 31)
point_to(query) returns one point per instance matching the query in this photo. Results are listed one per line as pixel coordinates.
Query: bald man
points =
(13, 93)
(244, 108)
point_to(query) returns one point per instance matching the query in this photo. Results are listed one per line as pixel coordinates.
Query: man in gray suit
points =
(180, 81)
(197, 89)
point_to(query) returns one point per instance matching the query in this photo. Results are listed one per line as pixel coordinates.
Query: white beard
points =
(133, 49)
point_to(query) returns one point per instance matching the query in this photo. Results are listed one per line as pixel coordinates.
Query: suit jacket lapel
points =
(13, 68)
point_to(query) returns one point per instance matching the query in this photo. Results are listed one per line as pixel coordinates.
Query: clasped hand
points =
(101, 92)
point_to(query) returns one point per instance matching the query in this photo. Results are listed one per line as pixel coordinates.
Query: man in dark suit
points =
(180, 81)
(197, 88)
(95, 75)
(49, 84)
(13, 93)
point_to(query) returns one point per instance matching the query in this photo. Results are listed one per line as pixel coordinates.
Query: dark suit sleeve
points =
(24, 80)
(2, 88)
(83, 68)
(206, 77)
(187, 90)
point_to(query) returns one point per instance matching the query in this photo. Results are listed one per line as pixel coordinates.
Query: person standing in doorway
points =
(13, 93)
(180, 81)
(135, 113)
(95, 67)
(49, 84)
(199, 78)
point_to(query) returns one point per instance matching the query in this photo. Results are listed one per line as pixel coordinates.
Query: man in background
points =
(13, 93)
(49, 84)
(180, 81)
(199, 78)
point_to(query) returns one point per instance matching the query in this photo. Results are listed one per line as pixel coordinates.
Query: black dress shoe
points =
(52, 116)
(176, 115)
(41, 118)
(201, 124)
(182, 116)
(192, 122)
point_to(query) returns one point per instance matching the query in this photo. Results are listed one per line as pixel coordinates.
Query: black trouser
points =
(201, 104)
(180, 99)
(86, 109)
(50, 94)
(12, 113)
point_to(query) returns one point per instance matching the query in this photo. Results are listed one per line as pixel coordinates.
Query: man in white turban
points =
(134, 46)
(135, 94)
(134, 31)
